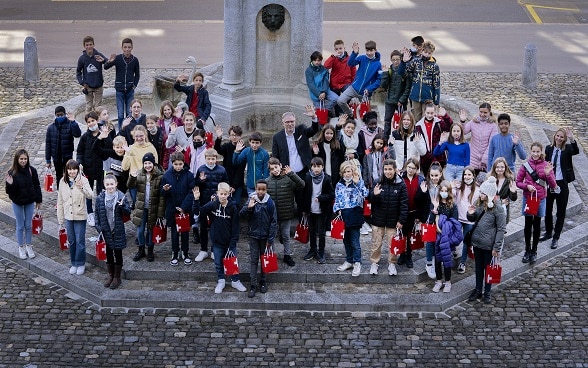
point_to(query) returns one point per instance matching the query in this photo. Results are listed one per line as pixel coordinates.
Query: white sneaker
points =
(345, 266)
(90, 220)
(437, 286)
(447, 287)
(22, 253)
(212, 255)
(369, 228)
(374, 269)
(356, 269)
(238, 285)
(220, 285)
(431, 271)
(328, 233)
(29, 250)
(73, 270)
(202, 255)
(81, 270)
(392, 269)
(461, 268)
(364, 229)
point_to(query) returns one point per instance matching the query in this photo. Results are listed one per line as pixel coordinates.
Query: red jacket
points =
(341, 74)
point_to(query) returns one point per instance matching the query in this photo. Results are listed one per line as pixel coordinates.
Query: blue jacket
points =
(263, 219)
(209, 185)
(450, 237)
(180, 193)
(127, 72)
(203, 106)
(115, 238)
(457, 154)
(349, 199)
(368, 74)
(89, 70)
(317, 80)
(60, 136)
(257, 164)
(224, 223)
(426, 81)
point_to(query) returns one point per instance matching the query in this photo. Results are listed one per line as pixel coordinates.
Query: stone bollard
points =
(31, 60)
(530, 66)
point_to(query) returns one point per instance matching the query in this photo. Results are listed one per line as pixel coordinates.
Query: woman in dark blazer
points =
(560, 154)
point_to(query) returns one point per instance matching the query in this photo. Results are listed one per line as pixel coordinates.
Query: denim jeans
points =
(453, 172)
(24, 222)
(89, 207)
(329, 101)
(144, 240)
(238, 197)
(219, 253)
(352, 246)
(466, 228)
(123, 104)
(76, 236)
(483, 257)
(284, 229)
(133, 194)
(429, 251)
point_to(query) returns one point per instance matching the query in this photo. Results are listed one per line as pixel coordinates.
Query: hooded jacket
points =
(92, 164)
(426, 81)
(489, 233)
(368, 74)
(59, 140)
(156, 200)
(115, 238)
(481, 133)
(89, 70)
(180, 193)
(342, 74)
(282, 188)
(263, 219)
(25, 188)
(317, 80)
(391, 205)
(224, 223)
(397, 86)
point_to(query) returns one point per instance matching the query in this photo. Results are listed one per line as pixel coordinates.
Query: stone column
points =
(31, 60)
(233, 56)
(530, 66)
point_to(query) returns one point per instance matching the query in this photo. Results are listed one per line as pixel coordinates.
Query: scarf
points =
(317, 179)
(109, 203)
(350, 142)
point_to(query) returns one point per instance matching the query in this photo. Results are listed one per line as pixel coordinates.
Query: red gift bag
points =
(63, 243)
(322, 113)
(353, 105)
(269, 261)
(398, 243)
(364, 106)
(182, 222)
(302, 231)
(126, 218)
(471, 254)
(532, 204)
(367, 208)
(493, 271)
(416, 240)
(48, 181)
(429, 232)
(37, 223)
(159, 232)
(337, 228)
(100, 248)
(209, 139)
(230, 263)
(396, 120)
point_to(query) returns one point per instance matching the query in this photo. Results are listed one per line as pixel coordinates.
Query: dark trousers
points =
(203, 232)
(317, 224)
(440, 270)
(483, 257)
(532, 228)
(561, 201)
(114, 256)
(58, 171)
(409, 226)
(178, 238)
(256, 249)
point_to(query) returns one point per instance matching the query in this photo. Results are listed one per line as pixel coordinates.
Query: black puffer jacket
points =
(25, 187)
(263, 220)
(325, 198)
(114, 238)
(391, 205)
(281, 189)
(60, 137)
(156, 200)
(92, 164)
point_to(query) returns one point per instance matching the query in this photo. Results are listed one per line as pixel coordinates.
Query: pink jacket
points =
(524, 179)
(480, 140)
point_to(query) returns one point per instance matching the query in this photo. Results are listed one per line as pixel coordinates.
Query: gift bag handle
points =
(269, 251)
(229, 253)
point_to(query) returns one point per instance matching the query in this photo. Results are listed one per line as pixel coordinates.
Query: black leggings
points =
(532, 226)
(114, 256)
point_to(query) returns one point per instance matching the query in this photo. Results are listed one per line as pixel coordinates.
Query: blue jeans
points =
(141, 230)
(219, 253)
(466, 228)
(352, 246)
(328, 102)
(238, 196)
(76, 236)
(453, 172)
(123, 104)
(133, 194)
(24, 222)
(429, 251)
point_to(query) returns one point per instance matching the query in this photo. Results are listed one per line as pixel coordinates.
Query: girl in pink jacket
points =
(482, 128)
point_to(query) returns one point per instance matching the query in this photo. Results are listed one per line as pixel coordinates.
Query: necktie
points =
(555, 159)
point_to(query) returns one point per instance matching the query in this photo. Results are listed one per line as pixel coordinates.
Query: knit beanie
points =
(149, 157)
(489, 188)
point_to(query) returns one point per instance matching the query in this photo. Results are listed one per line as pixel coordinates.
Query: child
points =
(426, 81)
(150, 204)
(208, 177)
(134, 155)
(350, 193)
(373, 161)
(342, 74)
(104, 121)
(533, 177)
(506, 183)
(389, 200)
(256, 157)
(236, 173)
(176, 184)
(397, 87)
(72, 199)
(457, 151)
(224, 233)
(166, 119)
(466, 193)
(482, 129)
(91, 165)
(112, 153)
(329, 150)
(367, 133)
(431, 187)
(449, 235)
(24, 190)
(59, 141)
(407, 141)
(417, 46)
(348, 138)
(130, 122)
(317, 81)
(282, 185)
(431, 127)
(111, 206)
(89, 73)
(367, 79)
(196, 149)
(127, 78)
(505, 144)
(488, 235)
(197, 98)
(180, 137)
(155, 136)
(261, 212)
(319, 194)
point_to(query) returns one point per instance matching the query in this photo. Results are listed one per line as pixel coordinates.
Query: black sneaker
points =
(321, 258)
(545, 237)
(310, 255)
(526, 257)
(401, 259)
(252, 291)
(554, 243)
(487, 299)
(533, 257)
(140, 254)
(289, 261)
(262, 287)
(409, 262)
(474, 295)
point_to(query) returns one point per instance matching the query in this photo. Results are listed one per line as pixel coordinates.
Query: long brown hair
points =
(14, 169)
(334, 141)
(507, 172)
(400, 129)
(463, 184)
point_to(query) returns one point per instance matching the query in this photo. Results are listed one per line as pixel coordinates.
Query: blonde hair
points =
(347, 164)
(210, 152)
(223, 186)
(118, 141)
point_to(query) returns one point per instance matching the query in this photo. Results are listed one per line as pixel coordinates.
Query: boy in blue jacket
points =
(317, 80)
(89, 74)
(367, 78)
(257, 160)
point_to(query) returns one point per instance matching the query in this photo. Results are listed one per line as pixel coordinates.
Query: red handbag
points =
(471, 254)
(532, 204)
(367, 208)
(100, 248)
(37, 223)
(63, 243)
(396, 120)
(429, 232)
(322, 113)
(493, 271)
(159, 232)
(302, 231)
(182, 222)
(209, 139)
(269, 261)
(416, 240)
(398, 243)
(364, 106)
(353, 106)
(48, 181)
(337, 228)
(230, 263)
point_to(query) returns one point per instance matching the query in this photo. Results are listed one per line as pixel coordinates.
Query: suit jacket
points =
(301, 135)
(567, 168)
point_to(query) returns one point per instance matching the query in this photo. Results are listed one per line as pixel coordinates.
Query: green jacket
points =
(156, 201)
(398, 87)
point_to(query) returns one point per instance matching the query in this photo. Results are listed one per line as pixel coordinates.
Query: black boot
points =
(110, 275)
(150, 255)
(545, 236)
(116, 281)
(196, 235)
(409, 262)
(289, 261)
(401, 259)
(140, 254)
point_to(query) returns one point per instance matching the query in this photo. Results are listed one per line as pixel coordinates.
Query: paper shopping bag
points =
(37, 223)
(367, 208)
(302, 231)
(182, 222)
(532, 204)
(230, 263)
(159, 232)
(364, 106)
(396, 120)
(100, 248)
(493, 271)
(429, 232)
(337, 228)
(398, 243)
(322, 113)
(48, 181)
(63, 243)
(269, 261)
